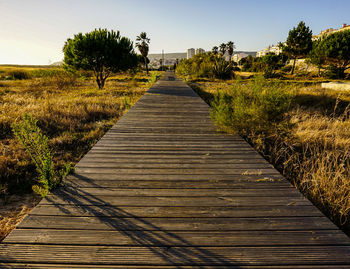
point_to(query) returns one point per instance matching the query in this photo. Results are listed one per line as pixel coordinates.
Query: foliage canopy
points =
(299, 42)
(335, 51)
(101, 51)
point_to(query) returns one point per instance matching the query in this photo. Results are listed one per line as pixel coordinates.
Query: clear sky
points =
(34, 31)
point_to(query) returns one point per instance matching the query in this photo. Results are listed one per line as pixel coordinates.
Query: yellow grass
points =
(71, 111)
(315, 152)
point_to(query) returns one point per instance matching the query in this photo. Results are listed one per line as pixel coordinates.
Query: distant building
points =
(199, 51)
(330, 31)
(270, 49)
(239, 56)
(190, 53)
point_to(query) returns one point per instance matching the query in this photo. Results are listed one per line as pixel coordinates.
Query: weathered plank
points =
(84, 266)
(290, 255)
(124, 221)
(178, 238)
(173, 211)
(88, 199)
(209, 192)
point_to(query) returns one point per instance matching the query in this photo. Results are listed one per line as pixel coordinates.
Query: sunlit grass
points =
(70, 110)
(310, 144)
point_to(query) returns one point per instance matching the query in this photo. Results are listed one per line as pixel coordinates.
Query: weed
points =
(36, 144)
(154, 77)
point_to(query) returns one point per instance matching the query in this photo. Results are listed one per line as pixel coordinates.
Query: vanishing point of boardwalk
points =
(164, 189)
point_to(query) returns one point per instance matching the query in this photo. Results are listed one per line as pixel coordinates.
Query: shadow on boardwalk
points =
(144, 235)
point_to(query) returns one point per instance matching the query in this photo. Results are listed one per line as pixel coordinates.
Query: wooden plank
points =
(125, 222)
(177, 212)
(174, 171)
(204, 192)
(88, 182)
(90, 159)
(177, 238)
(110, 255)
(217, 166)
(88, 199)
(84, 266)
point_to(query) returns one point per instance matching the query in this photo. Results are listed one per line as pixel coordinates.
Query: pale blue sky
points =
(34, 31)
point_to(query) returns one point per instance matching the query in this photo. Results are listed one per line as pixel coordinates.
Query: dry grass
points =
(314, 151)
(71, 111)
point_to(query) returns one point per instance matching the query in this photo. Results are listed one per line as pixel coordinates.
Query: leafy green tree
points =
(142, 43)
(100, 51)
(215, 50)
(299, 43)
(230, 48)
(316, 56)
(271, 63)
(222, 48)
(335, 48)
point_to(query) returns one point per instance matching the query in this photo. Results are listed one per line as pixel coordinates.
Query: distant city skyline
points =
(34, 31)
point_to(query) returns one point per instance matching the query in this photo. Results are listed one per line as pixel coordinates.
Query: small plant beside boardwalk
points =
(36, 145)
(303, 130)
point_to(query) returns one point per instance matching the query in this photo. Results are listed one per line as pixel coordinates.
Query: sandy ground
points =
(13, 209)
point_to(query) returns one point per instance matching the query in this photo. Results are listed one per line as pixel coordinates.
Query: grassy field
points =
(299, 127)
(70, 110)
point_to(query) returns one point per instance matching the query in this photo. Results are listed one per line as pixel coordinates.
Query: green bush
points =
(44, 73)
(222, 69)
(252, 108)
(36, 144)
(154, 77)
(205, 65)
(17, 75)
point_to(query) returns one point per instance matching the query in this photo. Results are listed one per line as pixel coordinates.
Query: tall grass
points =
(302, 132)
(70, 111)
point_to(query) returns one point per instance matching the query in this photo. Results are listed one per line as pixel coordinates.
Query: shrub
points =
(36, 144)
(222, 69)
(253, 107)
(334, 50)
(154, 77)
(44, 73)
(18, 74)
(205, 65)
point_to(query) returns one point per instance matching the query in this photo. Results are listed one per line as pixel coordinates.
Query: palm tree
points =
(215, 50)
(142, 43)
(222, 48)
(230, 48)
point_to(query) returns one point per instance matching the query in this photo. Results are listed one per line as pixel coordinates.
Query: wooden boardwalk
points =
(164, 189)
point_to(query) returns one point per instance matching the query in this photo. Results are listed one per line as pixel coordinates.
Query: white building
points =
(239, 56)
(199, 51)
(270, 49)
(190, 53)
(330, 31)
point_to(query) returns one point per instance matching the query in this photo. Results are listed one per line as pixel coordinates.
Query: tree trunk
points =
(146, 65)
(293, 66)
(100, 80)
